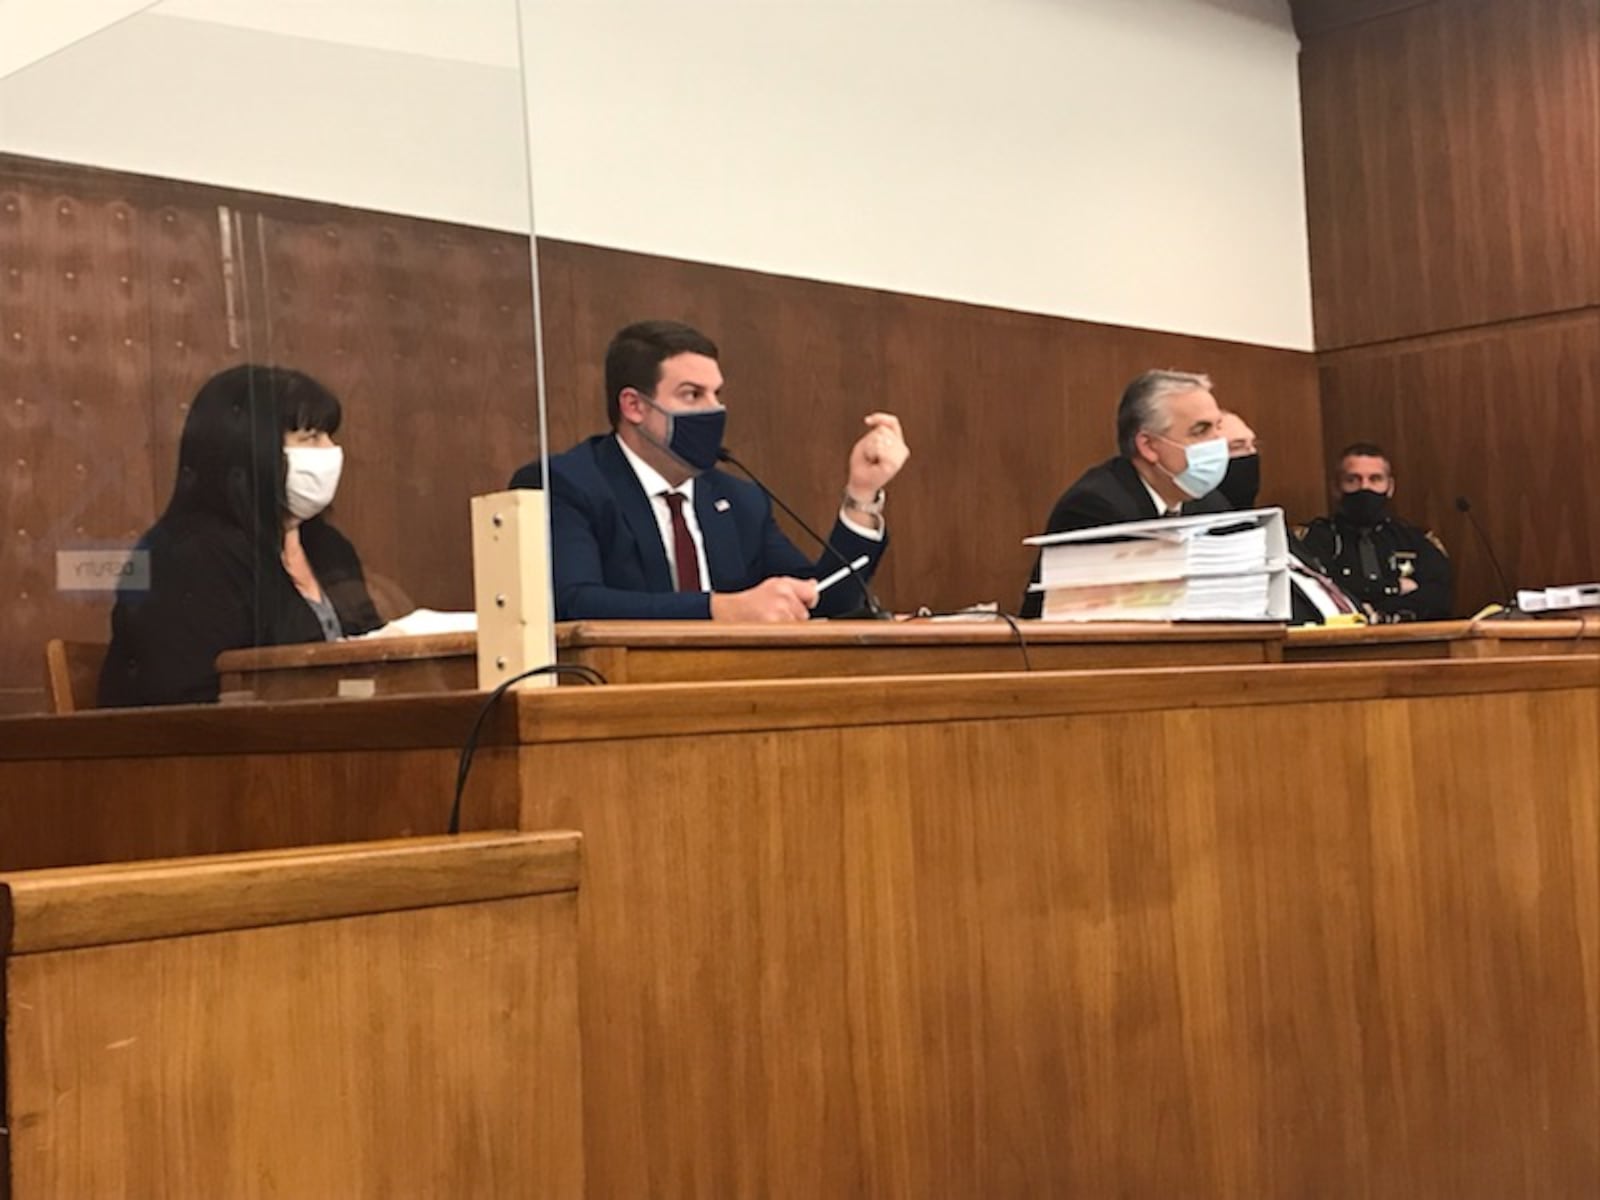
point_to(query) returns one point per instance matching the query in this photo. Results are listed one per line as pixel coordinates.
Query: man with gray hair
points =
(1172, 457)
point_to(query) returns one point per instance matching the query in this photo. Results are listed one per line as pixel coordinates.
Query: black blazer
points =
(608, 560)
(212, 590)
(1108, 494)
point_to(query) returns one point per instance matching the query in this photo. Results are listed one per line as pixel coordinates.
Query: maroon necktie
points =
(683, 552)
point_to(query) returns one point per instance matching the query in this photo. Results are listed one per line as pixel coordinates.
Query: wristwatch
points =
(872, 508)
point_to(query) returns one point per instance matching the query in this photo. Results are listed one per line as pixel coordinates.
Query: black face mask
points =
(1243, 480)
(1363, 507)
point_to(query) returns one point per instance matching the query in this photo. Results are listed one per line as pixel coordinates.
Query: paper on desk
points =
(427, 620)
(975, 612)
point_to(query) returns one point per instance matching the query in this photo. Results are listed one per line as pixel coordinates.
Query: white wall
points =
(1136, 162)
(33, 29)
(478, 31)
(423, 125)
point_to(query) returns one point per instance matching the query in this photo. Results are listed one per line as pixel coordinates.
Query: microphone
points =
(1464, 506)
(870, 609)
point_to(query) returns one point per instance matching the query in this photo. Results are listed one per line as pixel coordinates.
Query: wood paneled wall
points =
(1453, 188)
(1507, 416)
(120, 295)
(1002, 409)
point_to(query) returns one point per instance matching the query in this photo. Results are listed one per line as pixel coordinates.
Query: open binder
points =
(1216, 567)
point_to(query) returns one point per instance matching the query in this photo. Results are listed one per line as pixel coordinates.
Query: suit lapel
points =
(713, 509)
(1128, 476)
(637, 514)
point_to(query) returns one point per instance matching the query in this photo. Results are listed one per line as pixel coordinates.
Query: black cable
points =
(869, 604)
(1464, 507)
(1583, 628)
(464, 763)
(1022, 642)
(924, 614)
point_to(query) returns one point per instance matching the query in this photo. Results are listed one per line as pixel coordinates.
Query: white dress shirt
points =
(656, 487)
(1161, 505)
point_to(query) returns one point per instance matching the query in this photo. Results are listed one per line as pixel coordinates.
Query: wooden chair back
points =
(73, 672)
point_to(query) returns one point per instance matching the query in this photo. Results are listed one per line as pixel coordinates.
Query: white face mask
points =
(312, 478)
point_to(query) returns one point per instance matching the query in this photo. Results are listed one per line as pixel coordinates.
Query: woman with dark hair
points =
(242, 556)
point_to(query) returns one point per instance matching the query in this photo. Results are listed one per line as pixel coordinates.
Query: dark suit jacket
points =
(1108, 494)
(608, 560)
(212, 589)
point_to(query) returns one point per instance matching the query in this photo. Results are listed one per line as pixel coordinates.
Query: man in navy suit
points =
(643, 524)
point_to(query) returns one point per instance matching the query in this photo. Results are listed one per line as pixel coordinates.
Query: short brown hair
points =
(634, 358)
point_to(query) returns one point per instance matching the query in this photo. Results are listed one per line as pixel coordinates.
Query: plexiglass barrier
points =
(268, 320)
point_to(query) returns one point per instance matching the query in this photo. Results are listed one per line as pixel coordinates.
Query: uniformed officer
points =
(1400, 570)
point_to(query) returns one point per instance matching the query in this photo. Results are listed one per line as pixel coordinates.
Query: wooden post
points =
(511, 583)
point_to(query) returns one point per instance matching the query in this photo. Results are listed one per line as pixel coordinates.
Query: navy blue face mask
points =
(693, 438)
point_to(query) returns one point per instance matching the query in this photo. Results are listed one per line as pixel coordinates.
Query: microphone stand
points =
(870, 609)
(1464, 506)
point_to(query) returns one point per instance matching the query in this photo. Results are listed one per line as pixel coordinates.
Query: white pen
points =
(824, 584)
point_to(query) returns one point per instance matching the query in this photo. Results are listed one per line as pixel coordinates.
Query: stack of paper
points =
(1219, 567)
(1556, 599)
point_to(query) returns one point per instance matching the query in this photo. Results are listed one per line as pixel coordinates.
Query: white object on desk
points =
(421, 621)
(1554, 599)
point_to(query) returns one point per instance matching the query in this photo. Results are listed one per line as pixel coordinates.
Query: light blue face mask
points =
(1207, 464)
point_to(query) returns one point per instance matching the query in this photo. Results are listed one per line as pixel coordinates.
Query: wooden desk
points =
(1541, 637)
(375, 1020)
(1212, 932)
(699, 651)
(1443, 639)
(1367, 643)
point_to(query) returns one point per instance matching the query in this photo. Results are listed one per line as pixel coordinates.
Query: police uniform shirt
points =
(1369, 562)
